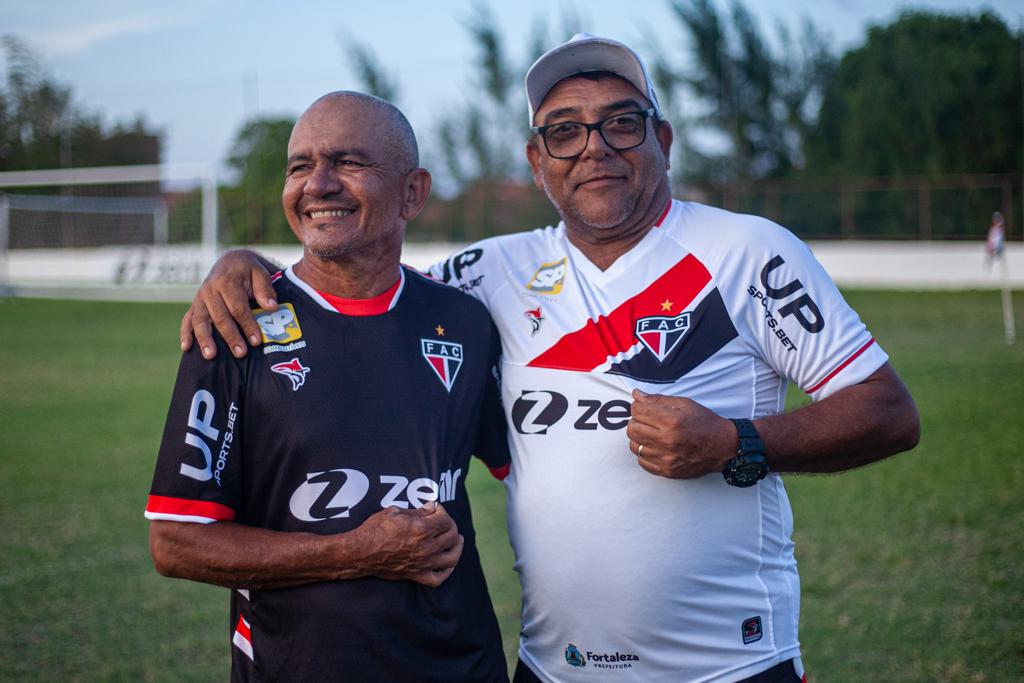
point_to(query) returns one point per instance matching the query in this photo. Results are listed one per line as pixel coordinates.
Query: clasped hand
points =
(421, 545)
(677, 437)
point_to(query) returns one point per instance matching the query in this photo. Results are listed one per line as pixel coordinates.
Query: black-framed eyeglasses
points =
(568, 139)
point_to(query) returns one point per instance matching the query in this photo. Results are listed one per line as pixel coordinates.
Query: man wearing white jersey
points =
(647, 346)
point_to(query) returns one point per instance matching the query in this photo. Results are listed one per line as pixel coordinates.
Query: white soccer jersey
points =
(627, 576)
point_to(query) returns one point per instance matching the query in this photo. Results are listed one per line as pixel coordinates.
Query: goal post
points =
(113, 232)
(5, 288)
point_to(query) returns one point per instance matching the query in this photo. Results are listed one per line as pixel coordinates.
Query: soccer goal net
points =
(107, 232)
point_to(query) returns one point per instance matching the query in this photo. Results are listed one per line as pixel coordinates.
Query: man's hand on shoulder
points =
(223, 302)
(421, 545)
(677, 437)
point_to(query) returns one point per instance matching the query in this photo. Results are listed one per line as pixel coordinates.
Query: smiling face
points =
(602, 193)
(347, 181)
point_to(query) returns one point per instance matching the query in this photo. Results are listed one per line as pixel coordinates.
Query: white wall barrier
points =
(153, 273)
(918, 265)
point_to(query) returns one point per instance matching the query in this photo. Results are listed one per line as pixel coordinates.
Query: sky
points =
(197, 69)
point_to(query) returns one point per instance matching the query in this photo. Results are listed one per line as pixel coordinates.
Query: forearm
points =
(239, 556)
(858, 425)
(421, 545)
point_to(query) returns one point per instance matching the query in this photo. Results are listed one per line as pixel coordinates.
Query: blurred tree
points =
(41, 127)
(758, 101)
(374, 79)
(253, 205)
(476, 152)
(481, 140)
(927, 94)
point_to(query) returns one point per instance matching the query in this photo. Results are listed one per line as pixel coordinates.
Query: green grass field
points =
(912, 569)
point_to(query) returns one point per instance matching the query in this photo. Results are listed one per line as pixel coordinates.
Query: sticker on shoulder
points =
(280, 326)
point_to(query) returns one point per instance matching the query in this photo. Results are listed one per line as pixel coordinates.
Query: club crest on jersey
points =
(280, 326)
(661, 334)
(444, 358)
(293, 370)
(549, 277)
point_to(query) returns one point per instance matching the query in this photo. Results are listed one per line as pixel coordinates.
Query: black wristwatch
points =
(750, 464)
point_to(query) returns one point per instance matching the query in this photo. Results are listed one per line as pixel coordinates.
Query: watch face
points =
(748, 474)
(745, 473)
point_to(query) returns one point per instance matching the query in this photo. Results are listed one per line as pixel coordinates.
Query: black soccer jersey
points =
(334, 418)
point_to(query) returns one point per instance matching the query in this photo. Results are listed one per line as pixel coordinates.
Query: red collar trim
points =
(668, 207)
(358, 307)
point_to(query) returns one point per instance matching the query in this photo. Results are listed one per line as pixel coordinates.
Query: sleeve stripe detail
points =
(164, 507)
(842, 365)
(242, 637)
(500, 473)
(191, 519)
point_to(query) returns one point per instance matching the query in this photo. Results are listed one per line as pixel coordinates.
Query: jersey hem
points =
(737, 674)
(752, 669)
(529, 663)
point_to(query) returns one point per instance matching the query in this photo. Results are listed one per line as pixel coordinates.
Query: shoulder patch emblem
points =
(280, 326)
(293, 370)
(535, 318)
(549, 277)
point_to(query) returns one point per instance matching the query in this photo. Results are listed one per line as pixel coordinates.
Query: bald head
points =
(383, 120)
(352, 180)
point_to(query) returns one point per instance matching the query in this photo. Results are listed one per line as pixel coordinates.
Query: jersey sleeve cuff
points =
(185, 510)
(857, 367)
(500, 473)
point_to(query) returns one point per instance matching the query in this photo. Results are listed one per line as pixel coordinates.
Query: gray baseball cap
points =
(586, 52)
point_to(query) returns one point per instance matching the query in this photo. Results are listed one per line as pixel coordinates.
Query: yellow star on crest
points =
(439, 330)
(666, 305)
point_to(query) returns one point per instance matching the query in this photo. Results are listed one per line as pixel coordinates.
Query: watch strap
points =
(749, 465)
(749, 440)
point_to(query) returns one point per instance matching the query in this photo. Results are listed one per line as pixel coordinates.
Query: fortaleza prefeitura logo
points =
(599, 660)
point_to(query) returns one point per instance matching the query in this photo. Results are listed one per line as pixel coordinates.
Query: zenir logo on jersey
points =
(661, 334)
(280, 326)
(444, 358)
(549, 278)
